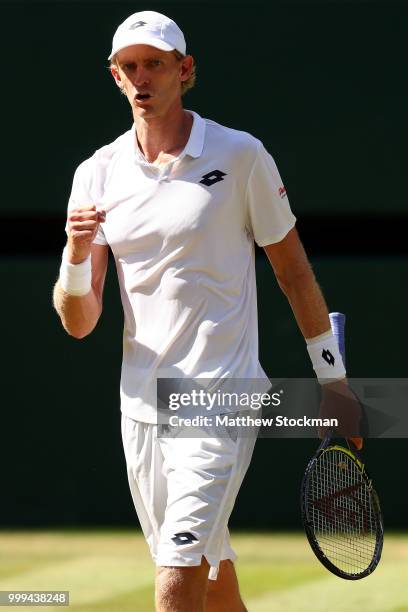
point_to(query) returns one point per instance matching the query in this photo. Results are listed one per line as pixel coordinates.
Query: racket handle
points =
(337, 322)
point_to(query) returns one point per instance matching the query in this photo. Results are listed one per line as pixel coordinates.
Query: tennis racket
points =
(340, 509)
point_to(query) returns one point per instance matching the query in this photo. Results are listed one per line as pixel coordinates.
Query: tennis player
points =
(180, 200)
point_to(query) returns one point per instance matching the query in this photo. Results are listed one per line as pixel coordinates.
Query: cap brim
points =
(129, 41)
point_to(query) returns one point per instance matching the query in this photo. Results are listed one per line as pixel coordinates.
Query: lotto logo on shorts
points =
(282, 192)
(184, 538)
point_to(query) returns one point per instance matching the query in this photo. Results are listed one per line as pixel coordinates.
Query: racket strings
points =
(341, 511)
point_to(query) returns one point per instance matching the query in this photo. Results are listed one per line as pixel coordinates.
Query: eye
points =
(128, 67)
(154, 63)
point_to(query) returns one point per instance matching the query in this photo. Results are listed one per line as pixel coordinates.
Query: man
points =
(180, 201)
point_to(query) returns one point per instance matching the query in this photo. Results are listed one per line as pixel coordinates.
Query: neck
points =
(164, 136)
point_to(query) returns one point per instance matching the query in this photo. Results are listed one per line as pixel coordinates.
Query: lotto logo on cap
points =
(148, 28)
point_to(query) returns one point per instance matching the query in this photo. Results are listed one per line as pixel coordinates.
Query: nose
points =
(140, 76)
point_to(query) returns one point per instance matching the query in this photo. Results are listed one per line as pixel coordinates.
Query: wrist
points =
(75, 259)
(326, 358)
(75, 278)
(74, 255)
(335, 385)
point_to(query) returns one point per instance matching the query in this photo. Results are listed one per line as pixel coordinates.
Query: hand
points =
(339, 402)
(83, 225)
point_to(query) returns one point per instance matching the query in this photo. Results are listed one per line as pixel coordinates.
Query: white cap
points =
(148, 28)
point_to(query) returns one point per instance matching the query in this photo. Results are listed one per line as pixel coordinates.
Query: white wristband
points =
(326, 358)
(75, 279)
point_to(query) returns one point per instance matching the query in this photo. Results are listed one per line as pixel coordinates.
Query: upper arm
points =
(269, 216)
(99, 267)
(288, 257)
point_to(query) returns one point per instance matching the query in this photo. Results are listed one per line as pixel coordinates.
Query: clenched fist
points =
(83, 225)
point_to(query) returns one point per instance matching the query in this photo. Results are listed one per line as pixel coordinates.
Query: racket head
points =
(341, 512)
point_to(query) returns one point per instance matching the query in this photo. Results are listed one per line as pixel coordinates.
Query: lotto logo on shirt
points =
(282, 192)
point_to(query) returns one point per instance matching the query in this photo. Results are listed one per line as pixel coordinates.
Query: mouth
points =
(142, 98)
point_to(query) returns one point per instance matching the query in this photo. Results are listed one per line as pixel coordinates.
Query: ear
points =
(115, 73)
(186, 68)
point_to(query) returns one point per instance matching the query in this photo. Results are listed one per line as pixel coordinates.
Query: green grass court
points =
(109, 571)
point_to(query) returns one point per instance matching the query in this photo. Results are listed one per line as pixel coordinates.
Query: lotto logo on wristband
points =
(328, 357)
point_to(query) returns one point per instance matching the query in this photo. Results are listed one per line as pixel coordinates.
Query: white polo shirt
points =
(182, 236)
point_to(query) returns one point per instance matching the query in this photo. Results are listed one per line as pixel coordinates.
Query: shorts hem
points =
(195, 560)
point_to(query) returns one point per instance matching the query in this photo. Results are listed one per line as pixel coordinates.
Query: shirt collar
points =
(195, 143)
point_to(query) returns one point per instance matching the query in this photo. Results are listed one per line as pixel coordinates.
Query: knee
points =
(223, 593)
(180, 589)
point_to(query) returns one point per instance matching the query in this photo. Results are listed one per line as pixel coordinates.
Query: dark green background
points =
(61, 452)
(324, 86)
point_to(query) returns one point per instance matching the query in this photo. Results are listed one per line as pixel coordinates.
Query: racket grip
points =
(337, 322)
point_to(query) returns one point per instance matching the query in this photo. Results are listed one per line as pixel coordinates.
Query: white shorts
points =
(184, 490)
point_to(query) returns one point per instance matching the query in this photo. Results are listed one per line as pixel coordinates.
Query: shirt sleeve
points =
(81, 195)
(268, 211)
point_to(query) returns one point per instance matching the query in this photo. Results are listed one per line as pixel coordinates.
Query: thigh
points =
(203, 479)
(147, 483)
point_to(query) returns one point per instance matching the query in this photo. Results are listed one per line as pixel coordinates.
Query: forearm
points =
(297, 281)
(78, 314)
(77, 295)
(307, 302)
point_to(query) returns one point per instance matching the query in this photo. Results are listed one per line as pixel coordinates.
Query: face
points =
(151, 79)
